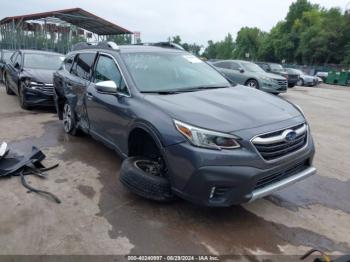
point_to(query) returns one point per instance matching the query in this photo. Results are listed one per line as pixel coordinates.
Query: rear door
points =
(77, 83)
(108, 113)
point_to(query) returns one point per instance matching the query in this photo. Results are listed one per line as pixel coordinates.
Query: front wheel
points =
(69, 121)
(145, 178)
(300, 82)
(22, 98)
(7, 87)
(252, 83)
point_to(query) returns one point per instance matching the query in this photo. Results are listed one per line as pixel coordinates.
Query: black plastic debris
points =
(12, 164)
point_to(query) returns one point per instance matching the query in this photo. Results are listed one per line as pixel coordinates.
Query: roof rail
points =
(165, 45)
(94, 45)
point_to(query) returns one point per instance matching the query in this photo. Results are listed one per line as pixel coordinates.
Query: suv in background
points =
(249, 74)
(180, 126)
(29, 75)
(5, 56)
(279, 70)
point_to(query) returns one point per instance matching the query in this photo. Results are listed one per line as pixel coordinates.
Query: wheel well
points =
(141, 143)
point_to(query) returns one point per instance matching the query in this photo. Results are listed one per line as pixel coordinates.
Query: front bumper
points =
(231, 177)
(36, 97)
(271, 87)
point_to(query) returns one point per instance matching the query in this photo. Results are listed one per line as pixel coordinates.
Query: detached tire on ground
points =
(145, 184)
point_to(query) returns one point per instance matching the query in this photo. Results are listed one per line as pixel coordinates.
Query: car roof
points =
(131, 49)
(30, 51)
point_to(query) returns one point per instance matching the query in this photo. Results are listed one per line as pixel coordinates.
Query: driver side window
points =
(106, 70)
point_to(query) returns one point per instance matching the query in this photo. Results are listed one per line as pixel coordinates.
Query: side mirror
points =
(268, 70)
(17, 65)
(241, 70)
(107, 87)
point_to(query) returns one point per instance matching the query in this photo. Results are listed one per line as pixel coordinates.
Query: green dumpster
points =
(333, 78)
(344, 79)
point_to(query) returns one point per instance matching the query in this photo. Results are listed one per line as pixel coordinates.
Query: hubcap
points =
(150, 167)
(252, 84)
(67, 118)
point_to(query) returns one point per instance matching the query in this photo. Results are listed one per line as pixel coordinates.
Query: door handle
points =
(69, 85)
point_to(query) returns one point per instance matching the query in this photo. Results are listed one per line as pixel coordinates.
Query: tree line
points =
(309, 34)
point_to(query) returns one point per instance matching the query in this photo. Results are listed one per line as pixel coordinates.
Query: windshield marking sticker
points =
(192, 59)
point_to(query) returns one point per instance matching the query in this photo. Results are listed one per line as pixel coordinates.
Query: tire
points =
(22, 100)
(145, 184)
(291, 85)
(69, 120)
(252, 83)
(8, 90)
(300, 82)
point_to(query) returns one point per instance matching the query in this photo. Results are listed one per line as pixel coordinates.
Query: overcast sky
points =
(194, 20)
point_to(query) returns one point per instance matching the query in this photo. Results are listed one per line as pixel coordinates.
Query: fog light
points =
(212, 191)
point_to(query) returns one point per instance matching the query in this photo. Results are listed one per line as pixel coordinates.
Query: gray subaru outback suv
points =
(180, 126)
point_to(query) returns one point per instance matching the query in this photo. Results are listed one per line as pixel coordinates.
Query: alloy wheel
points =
(252, 83)
(67, 118)
(149, 167)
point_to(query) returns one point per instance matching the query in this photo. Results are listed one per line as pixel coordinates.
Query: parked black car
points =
(5, 56)
(278, 69)
(181, 127)
(29, 75)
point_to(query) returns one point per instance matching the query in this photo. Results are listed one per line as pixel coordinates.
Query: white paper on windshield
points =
(192, 59)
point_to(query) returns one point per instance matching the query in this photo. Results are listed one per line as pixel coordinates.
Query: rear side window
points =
(223, 65)
(83, 64)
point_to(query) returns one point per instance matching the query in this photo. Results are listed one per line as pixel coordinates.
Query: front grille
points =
(46, 88)
(273, 145)
(279, 176)
(293, 77)
(282, 83)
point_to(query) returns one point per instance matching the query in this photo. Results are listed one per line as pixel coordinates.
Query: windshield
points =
(276, 67)
(42, 61)
(251, 67)
(7, 55)
(162, 72)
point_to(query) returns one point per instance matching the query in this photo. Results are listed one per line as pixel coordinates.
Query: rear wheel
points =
(252, 83)
(69, 120)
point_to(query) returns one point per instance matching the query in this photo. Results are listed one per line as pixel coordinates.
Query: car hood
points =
(225, 110)
(274, 76)
(39, 75)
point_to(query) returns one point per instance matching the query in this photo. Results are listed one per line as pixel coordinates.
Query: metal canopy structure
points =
(75, 16)
(55, 30)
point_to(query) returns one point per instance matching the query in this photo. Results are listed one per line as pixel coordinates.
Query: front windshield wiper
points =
(184, 90)
(197, 88)
(160, 92)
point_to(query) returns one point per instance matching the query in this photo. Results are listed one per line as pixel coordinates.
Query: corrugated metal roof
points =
(78, 17)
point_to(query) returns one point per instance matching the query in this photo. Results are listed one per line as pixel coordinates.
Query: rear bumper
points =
(38, 98)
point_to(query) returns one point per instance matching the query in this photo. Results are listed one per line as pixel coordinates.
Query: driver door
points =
(108, 111)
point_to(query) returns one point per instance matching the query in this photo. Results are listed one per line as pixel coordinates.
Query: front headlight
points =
(268, 79)
(207, 138)
(31, 84)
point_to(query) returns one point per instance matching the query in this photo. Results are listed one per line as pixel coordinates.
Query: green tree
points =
(248, 41)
